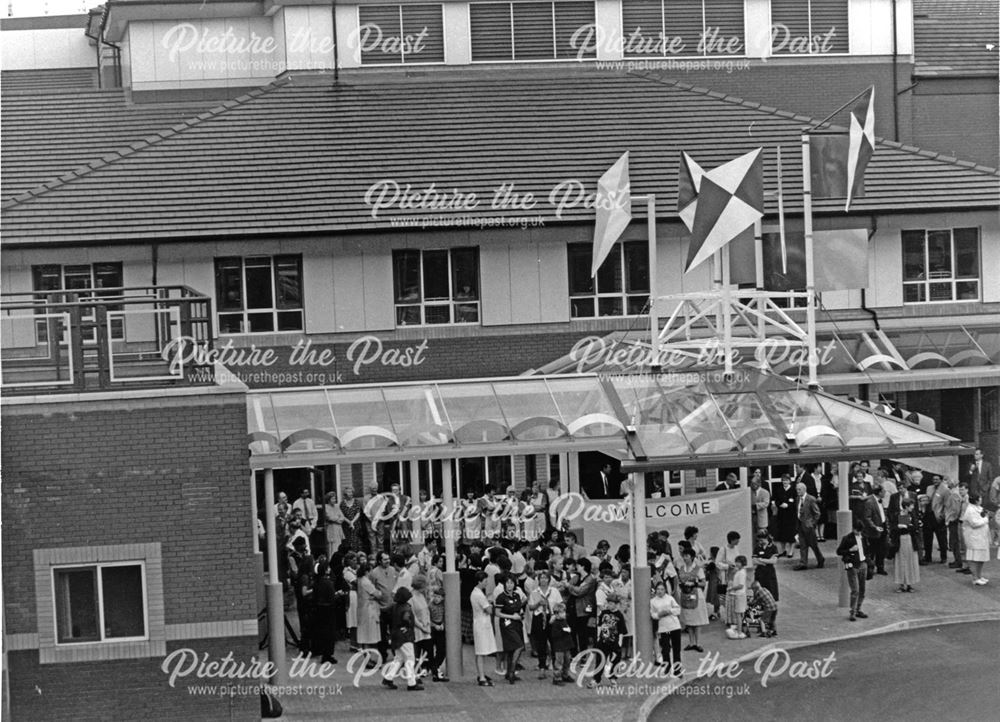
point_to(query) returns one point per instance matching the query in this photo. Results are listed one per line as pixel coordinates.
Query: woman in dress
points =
(694, 613)
(369, 635)
(975, 530)
(691, 537)
(482, 628)
(765, 555)
(622, 586)
(906, 570)
(334, 520)
(783, 507)
(350, 511)
(510, 613)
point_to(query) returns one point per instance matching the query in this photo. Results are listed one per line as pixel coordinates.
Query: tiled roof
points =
(48, 80)
(951, 37)
(298, 156)
(47, 134)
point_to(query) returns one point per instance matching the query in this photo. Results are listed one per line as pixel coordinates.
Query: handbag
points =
(689, 600)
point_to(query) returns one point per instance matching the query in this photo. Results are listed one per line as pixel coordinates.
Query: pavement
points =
(808, 614)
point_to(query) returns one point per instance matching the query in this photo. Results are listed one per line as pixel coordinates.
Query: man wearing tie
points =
(807, 513)
(873, 518)
(980, 475)
(307, 506)
(852, 552)
(603, 487)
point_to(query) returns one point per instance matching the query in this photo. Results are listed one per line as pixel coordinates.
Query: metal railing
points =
(105, 338)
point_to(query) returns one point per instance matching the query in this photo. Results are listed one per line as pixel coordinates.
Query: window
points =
(436, 287)
(392, 34)
(655, 485)
(622, 284)
(531, 31)
(809, 27)
(658, 28)
(940, 265)
(81, 277)
(99, 603)
(258, 295)
(104, 602)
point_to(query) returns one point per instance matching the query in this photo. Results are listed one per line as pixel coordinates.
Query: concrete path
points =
(808, 614)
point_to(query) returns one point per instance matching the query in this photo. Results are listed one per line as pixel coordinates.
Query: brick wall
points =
(127, 689)
(171, 470)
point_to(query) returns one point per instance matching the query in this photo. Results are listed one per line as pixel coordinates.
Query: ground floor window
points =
(259, 294)
(101, 602)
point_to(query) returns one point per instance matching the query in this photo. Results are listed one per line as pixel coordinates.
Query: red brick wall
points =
(126, 689)
(169, 470)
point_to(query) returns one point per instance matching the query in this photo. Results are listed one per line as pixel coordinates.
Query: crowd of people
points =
(529, 590)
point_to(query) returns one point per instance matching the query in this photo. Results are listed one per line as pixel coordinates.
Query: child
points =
(610, 630)
(436, 608)
(561, 639)
(768, 607)
(736, 598)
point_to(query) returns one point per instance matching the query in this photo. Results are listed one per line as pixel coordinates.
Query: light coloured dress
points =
(698, 616)
(368, 612)
(976, 530)
(482, 625)
(352, 598)
(334, 527)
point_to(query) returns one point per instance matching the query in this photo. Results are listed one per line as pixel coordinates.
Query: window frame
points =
(402, 55)
(662, 35)
(98, 567)
(809, 21)
(275, 308)
(555, 57)
(953, 278)
(452, 303)
(622, 295)
(92, 291)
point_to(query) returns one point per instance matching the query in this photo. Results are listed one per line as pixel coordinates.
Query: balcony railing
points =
(71, 340)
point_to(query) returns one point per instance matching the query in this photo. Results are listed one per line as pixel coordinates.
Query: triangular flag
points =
(838, 161)
(688, 184)
(861, 143)
(614, 210)
(730, 200)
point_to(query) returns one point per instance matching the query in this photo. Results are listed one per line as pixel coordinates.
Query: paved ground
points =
(808, 613)
(903, 668)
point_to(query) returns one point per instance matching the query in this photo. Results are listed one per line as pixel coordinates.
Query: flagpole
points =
(758, 253)
(810, 270)
(727, 317)
(654, 320)
(781, 217)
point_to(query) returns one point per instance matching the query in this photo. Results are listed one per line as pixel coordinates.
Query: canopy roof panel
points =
(666, 420)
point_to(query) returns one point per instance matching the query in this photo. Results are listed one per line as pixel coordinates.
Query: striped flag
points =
(614, 210)
(730, 200)
(838, 161)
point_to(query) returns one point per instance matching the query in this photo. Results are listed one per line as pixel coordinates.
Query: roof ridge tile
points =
(139, 145)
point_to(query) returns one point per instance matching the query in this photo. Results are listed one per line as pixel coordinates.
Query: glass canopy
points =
(665, 421)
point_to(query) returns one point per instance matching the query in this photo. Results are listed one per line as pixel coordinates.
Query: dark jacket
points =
(584, 597)
(870, 518)
(401, 624)
(849, 555)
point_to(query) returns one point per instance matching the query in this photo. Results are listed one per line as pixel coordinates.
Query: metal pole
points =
(654, 320)
(810, 270)
(758, 253)
(275, 590)
(727, 316)
(641, 591)
(452, 584)
(844, 523)
(414, 496)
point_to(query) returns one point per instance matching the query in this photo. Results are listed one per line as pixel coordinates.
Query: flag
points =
(840, 258)
(614, 210)
(838, 161)
(688, 183)
(730, 200)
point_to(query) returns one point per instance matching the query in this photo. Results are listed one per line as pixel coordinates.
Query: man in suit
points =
(932, 520)
(604, 486)
(980, 475)
(731, 482)
(804, 476)
(855, 556)
(807, 509)
(875, 526)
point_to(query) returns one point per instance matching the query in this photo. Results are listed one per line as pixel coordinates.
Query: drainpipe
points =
(336, 43)
(895, 73)
(864, 289)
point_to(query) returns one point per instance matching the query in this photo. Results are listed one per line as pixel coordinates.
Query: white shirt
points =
(308, 507)
(861, 546)
(405, 579)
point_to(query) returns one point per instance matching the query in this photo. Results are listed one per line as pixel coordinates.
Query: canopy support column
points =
(275, 590)
(641, 592)
(414, 496)
(845, 523)
(452, 583)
